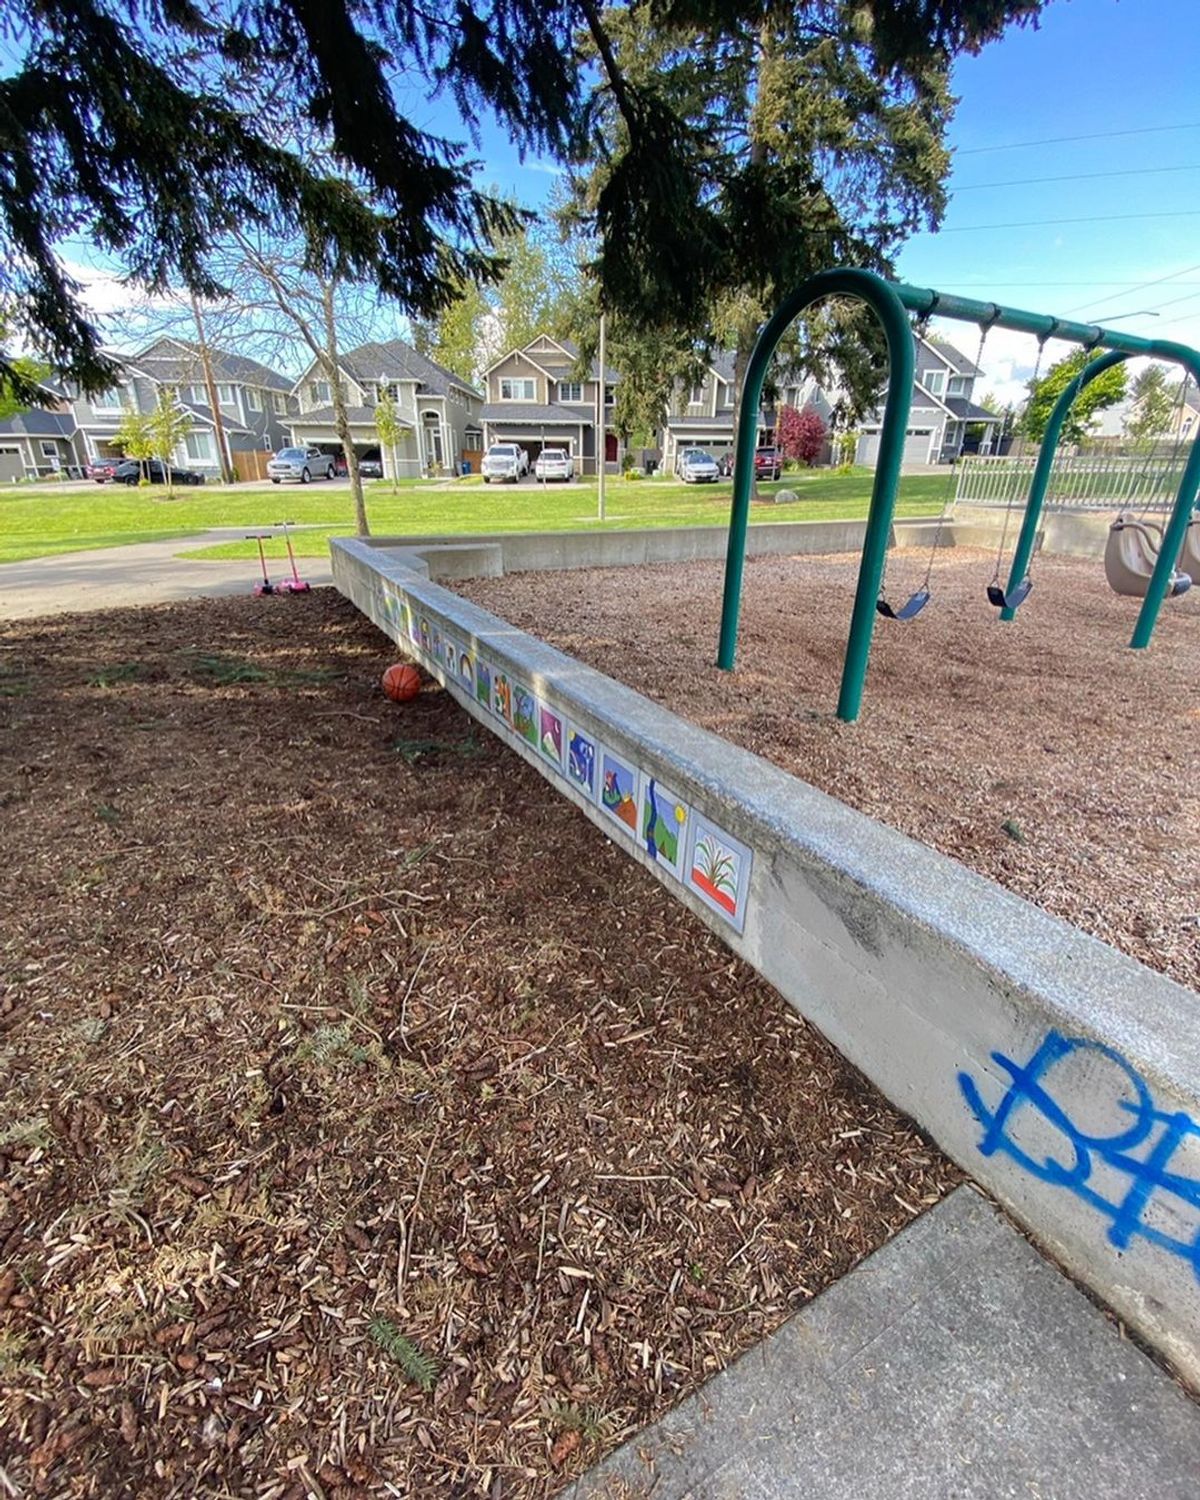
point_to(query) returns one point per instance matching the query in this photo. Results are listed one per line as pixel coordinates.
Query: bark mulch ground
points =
(1042, 753)
(368, 1123)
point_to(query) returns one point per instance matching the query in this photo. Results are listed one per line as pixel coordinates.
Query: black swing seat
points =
(1001, 600)
(913, 605)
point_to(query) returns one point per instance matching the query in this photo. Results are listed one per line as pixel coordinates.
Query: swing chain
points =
(1037, 367)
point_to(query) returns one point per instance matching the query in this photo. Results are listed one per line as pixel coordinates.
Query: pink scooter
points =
(295, 584)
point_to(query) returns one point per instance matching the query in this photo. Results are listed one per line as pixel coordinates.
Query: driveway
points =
(143, 573)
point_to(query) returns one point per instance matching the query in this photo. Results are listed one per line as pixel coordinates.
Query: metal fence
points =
(1091, 482)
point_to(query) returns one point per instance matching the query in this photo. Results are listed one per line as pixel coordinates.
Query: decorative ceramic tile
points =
(719, 870)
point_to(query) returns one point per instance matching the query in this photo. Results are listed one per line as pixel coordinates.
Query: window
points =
(254, 399)
(319, 392)
(279, 402)
(50, 450)
(108, 401)
(388, 390)
(570, 390)
(517, 390)
(472, 438)
(610, 395)
(198, 394)
(199, 446)
(225, 395)
(934, 381)
(696, 395)
(959, 385)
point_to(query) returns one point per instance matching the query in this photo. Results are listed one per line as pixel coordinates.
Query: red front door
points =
(610, 447)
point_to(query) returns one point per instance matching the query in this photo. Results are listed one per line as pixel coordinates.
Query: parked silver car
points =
(697, 467)
(301, 464)
(504, 462)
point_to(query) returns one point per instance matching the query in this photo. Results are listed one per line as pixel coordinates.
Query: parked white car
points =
(554, 463)
(504, 461)
(301, 464)
(697, 467)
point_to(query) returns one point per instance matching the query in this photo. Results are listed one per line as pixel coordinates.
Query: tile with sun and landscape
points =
(663, 824)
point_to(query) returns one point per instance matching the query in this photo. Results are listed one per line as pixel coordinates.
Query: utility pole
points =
(601, 426)
(210, 386)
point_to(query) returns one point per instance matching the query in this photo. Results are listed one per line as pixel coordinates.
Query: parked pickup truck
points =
(504, 461)
(554, 463)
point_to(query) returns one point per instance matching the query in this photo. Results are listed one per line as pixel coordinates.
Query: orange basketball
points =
(401, 682)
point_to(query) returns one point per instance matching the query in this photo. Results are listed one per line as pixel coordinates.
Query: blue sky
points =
(1116, 76)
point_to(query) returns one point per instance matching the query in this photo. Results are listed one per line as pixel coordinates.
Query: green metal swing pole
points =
(889, 301)
(882, 296)
(1045, 463)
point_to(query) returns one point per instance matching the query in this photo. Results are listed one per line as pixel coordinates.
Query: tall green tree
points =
(193, 123)
(1105, 391)
(805, 136)
(457, 338)
(1154, 401)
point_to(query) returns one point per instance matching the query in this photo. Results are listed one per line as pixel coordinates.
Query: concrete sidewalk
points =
(955, 1363)
(143, 573)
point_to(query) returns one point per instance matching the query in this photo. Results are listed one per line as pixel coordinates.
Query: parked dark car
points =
(129, 471)
(370, 468)
(768, 464)
(103, 469)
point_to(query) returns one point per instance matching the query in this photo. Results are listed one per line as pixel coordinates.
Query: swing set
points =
(892, 303)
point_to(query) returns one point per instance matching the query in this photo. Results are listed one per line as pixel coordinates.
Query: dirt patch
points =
(368, 1122)
(1042, 753)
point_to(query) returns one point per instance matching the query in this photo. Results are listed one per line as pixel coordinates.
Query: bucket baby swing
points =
(892, 303)
(998, 596)
(1134, 542)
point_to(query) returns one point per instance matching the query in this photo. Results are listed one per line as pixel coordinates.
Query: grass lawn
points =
(108, 516)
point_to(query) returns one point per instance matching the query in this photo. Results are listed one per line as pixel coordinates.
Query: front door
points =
(610, 447)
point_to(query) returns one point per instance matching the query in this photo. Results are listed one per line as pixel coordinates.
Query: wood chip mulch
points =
(368, 1123)
(1042, 753)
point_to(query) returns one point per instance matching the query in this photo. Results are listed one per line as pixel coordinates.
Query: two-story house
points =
(942, 409)
(700, 415)
(41, 440)
(438, 411)
(252, 401)
(536, 397)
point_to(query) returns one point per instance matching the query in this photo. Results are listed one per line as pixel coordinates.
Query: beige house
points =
(439, 412)
(537, 398)
(700, 415)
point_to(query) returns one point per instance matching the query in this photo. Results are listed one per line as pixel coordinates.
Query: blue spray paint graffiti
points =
(1117, 1172)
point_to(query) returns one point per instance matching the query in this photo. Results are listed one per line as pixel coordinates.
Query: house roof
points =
(967, 411)
(204, 413)
(611, 376)
(529, 413)
(37, 422)
(396, 360)
(323, 416)
(719, 423)
(184, 365)
(952, 356)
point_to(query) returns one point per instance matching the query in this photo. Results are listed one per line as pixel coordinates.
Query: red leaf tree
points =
(800, 434)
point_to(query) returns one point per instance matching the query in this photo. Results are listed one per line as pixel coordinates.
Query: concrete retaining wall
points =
(1062, 1075)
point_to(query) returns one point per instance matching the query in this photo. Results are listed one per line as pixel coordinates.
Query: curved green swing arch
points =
(891, 302)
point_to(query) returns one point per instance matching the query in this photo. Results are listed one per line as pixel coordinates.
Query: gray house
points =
(701, 415)
(40, 441)
(942, 409)
(252, 400)
(536, 397)
(438, 410)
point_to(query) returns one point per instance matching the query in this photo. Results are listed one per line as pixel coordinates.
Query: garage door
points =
(11, 466)
(916, 447)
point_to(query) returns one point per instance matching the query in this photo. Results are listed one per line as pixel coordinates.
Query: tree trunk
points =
(341, 417)
(224, 462)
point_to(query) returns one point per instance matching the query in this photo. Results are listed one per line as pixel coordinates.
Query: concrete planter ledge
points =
(1062, 1075)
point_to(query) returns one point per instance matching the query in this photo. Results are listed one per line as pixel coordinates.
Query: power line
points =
(1187, 213)
(1131, 286)
(1137, 287)
(976, 187)
(1174, 302)
(1062, 140)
